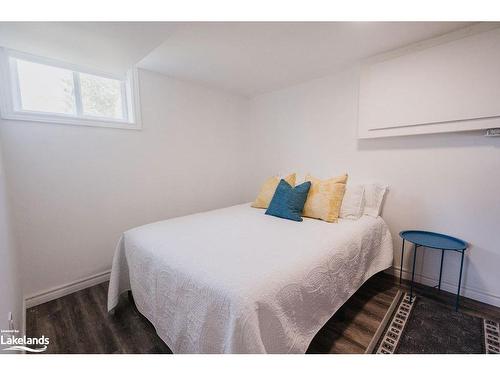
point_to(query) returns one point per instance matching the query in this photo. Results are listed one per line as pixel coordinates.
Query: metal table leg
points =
(401, 265)
(441, 269)
(460, 280)
(413, 271)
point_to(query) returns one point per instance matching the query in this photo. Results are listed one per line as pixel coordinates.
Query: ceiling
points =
(252, 58)
(245, 58)
(109, 46)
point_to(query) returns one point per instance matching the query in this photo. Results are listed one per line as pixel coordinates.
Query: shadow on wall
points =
(476, 272)
(427, 270)
(448, 183)
(423, 141)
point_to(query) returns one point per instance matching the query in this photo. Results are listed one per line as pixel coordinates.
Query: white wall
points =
(447, 183)
(75, 189)
(11, 296)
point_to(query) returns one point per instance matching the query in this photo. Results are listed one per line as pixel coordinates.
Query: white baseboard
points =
(87, 282)
(471, 293)
(63, 290)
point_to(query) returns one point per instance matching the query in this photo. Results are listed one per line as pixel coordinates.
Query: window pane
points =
(101, 97)
(45, 88)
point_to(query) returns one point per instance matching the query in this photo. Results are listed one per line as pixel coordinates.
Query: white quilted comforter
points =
(237, 281)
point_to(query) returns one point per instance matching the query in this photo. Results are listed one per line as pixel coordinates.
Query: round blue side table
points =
(432, 240)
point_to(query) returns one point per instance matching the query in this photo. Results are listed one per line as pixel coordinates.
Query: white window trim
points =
(9, 94)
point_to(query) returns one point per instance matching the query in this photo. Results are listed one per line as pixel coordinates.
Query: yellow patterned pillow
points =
(325, 198)
(268, 189)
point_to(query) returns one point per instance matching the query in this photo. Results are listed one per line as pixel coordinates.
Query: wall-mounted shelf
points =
(446, 84)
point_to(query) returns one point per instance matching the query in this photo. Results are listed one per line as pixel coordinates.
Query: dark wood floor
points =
(79, 323)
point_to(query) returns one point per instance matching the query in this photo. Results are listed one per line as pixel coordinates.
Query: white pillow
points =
(374, 196)
(353, 202)
(299, 178)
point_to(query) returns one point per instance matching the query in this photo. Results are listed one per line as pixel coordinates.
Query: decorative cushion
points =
(267, 190)
(374, 196)
(353, 202)
(288, 201)
(325, 198)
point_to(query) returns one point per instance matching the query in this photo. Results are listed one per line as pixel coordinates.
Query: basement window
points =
(38, 89)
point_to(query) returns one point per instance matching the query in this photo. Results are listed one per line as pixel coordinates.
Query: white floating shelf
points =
(446, 84)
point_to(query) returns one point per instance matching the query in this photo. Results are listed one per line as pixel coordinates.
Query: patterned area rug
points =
(422, 326)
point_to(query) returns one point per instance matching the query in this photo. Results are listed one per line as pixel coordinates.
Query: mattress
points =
(235, 280)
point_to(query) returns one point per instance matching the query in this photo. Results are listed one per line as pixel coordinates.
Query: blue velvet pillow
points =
(288, 202)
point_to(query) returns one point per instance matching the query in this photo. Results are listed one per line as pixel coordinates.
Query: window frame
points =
(10, 94)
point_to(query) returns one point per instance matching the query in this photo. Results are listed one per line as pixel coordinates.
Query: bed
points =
(235, 280)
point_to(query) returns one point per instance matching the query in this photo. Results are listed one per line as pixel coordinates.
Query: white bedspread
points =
(236, 280)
